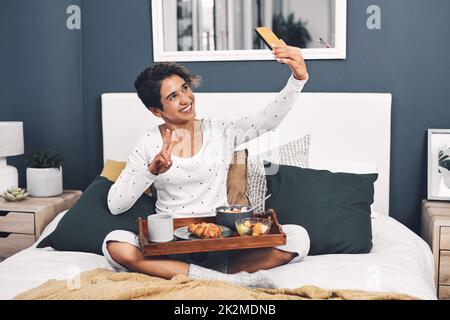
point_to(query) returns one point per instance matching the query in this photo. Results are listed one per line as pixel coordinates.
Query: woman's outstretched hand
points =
(162, 161)
(292, 56)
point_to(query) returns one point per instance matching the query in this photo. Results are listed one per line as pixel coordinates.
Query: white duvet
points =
(400, 262)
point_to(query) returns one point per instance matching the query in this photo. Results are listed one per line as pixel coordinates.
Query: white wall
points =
(170, 25)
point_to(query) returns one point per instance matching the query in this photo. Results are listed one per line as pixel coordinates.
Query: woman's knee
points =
(123, 253)
(298, 237)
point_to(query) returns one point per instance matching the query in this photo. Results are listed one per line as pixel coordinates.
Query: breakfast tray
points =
(274, 238)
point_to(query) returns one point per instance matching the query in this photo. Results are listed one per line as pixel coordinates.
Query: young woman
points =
(187, 160)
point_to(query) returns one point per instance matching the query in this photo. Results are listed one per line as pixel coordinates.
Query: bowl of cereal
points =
(227, 215)
(253, 226)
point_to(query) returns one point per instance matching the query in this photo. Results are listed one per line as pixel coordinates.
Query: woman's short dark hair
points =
(148, 83)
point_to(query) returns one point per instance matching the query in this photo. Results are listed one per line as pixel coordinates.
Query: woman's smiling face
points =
(178, 101)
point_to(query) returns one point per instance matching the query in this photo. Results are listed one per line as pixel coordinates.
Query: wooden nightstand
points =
(436, 231)
(22, 222)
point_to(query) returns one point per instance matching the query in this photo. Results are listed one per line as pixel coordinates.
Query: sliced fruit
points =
(243, 230)
(259, 229)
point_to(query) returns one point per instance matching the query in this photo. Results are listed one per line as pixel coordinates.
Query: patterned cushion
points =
(295, 153)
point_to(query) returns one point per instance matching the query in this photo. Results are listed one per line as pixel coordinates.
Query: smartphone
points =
(268, 37)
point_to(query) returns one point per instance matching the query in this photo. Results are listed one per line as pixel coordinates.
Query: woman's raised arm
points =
(254, 125)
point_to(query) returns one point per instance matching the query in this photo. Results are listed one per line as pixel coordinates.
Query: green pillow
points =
(333, 207)
(85, 226)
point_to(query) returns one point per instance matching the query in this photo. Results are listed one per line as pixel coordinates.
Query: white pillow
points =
(295, 153)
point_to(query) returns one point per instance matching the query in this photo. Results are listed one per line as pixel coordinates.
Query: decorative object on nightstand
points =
(14, 194)
(44, 173)
(439, 164)
(436, 232)
(21, 223)
(11, 144)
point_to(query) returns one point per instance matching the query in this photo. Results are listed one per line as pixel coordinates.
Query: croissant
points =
(205, 230)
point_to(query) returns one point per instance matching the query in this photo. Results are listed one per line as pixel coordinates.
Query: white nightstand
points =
(22, 222)
(436, 231)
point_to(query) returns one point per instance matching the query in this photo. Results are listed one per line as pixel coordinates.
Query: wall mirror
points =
(224, 30)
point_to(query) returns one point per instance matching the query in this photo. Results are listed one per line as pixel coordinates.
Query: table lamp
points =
(11, 144)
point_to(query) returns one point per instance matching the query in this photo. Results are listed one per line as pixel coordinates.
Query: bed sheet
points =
(400, 262)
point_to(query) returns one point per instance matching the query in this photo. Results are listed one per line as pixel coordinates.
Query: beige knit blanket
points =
(103, 284)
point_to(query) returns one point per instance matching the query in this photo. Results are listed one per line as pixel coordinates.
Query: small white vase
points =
(46, 182)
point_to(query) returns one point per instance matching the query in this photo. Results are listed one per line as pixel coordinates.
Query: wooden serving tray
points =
(275, 237)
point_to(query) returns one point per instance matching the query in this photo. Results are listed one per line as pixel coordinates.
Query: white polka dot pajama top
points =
(196, 185)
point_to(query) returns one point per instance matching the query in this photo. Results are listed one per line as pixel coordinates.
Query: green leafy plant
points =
(44, 159)
(444, 159)
(294, 33)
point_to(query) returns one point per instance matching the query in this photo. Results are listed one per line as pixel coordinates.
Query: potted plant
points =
(44, 173)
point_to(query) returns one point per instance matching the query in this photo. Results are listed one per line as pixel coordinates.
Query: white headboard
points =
(345, 128)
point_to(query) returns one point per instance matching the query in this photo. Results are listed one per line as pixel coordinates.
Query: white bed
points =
(399, 262)
(354, 128)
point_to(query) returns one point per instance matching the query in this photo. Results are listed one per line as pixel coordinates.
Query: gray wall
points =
(41, 84)
(40, 81)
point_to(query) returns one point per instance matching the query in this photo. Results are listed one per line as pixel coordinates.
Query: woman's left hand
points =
(292, 56)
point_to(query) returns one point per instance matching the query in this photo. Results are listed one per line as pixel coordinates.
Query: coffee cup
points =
(160, 228)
